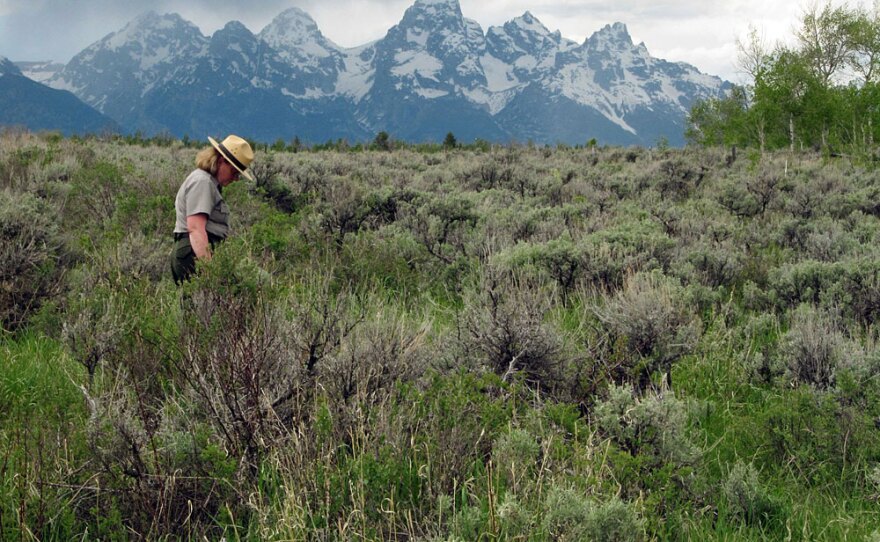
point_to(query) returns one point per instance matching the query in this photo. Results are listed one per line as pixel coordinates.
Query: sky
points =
(700, 32)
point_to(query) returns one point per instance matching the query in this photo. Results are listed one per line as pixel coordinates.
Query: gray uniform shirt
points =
(200, 193)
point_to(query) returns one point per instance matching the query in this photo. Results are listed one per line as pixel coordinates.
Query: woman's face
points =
(226, 172)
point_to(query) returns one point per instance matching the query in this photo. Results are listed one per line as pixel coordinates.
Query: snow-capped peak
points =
(438, 4)
(293, 22)
(130, 62)
(147, 41)
(294, 32)
(235, 28)
(531, 24)
(432, 9)
(148, 24)
(611, 36)
(527, 45)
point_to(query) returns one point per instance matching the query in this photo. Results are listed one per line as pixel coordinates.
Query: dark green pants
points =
(183, 257)
(183, 260)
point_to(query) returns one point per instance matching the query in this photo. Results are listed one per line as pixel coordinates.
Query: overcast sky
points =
(701, 32)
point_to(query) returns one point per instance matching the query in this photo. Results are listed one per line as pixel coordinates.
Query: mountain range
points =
(434, 72)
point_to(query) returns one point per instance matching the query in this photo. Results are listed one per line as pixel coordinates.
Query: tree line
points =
(822, 92)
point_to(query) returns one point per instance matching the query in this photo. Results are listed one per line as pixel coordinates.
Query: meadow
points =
(439, 344)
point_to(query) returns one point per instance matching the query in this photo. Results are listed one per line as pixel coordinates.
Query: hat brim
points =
(247, 174)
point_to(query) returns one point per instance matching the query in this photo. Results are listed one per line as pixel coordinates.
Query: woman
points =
(202, 215)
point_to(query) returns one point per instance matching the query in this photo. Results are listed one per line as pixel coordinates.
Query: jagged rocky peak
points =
(610, 37)
(234, 29)
(432, 14)
(149, 42)
(529, 23)
(295, 35)
(525, 36)
(235, 41)
(434, 52)
(438, 5)
(528, 30)
(436, 26)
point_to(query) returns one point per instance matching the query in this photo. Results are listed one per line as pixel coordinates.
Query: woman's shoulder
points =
(198, 175)
(200, 180)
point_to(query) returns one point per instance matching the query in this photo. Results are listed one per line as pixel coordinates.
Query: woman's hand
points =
(198, 235)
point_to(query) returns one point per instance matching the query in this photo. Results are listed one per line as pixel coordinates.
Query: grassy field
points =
(483, 343)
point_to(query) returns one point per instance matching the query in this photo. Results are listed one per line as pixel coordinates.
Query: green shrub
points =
(388, 348)
(141, 452)
(856, 292)
(569, 515)
(759, 338)
(442, 224)
(392, 261)
(617, 252)
(560, 260)
(614, 521)
(713, 265)
(678, 178)
(654, 426)
(282, 186)
(503, 329)
(566, 514)
(738, 201)
(237, 354)
(31, 256)
(747, 499)
(813, 349)
(516, 521)
(94, 330)
(804, 282)
(94, 196)
(824, 437)
(649, 321)
(514, 455)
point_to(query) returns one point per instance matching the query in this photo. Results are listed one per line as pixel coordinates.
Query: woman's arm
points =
(198, 235)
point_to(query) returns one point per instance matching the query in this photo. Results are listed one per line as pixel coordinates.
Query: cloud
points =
(72, 26)
(351, 23)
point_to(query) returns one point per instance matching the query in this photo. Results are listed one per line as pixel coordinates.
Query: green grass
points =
(38, 380)
(42, 432)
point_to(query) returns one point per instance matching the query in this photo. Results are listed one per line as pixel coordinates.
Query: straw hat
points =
(237, 152)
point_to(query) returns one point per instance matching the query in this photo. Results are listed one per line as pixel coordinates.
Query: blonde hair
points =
(207, 159)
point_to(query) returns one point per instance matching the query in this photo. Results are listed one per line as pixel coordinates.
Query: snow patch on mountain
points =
(356, 79)
(416, 63)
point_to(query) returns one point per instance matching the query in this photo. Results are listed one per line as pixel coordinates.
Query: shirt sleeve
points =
(200, 197)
